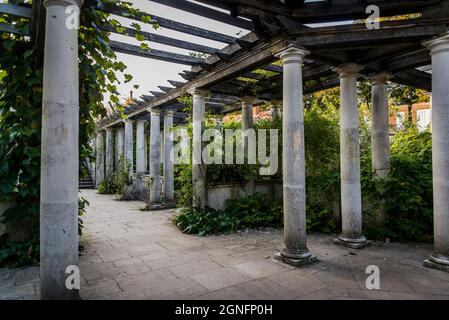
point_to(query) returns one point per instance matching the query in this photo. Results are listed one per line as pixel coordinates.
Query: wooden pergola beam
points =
(206, 12)
(164, 40)
(315, 12)
(15, 10)
(155, 54)
(177, 26)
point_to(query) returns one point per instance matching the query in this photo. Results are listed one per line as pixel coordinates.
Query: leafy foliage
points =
(250, 212)
(21, 76)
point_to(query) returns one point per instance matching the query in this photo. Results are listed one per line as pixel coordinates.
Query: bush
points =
(17, 254)
(408, 190)
(251, 212)
(110, 185)
(205, 221)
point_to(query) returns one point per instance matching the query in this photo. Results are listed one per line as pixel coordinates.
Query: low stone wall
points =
(142, 182)
(219, 193)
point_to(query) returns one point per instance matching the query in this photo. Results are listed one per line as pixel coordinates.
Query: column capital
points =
(169, 113)
(109, 129)
(292, 54)
(438, 45)
(128, 121)
(248, 100)
(48, 3)
(141, 121)
(277, 103)
(156, 112)
(348, 70)
(199, 92)
(380, 78)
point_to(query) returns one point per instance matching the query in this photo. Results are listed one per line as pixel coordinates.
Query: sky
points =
(149, 73)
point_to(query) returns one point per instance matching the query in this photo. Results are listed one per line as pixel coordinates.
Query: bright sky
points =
(149, 73)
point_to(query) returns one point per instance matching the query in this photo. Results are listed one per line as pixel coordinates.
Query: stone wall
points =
(218, 194)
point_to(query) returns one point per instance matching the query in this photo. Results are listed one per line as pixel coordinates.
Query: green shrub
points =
(204, 222)
(408, 190)
(255, 211)
(17, 254)
(110, 185)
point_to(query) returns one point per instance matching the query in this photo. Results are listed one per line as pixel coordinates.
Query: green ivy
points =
(21, 76)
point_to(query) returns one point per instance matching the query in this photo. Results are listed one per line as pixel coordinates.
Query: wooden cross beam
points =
(206, 12)
(156, 54)
(15, 10)
(164, 40)
(177, 26)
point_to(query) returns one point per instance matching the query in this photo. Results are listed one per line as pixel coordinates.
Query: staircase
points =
(86, 182)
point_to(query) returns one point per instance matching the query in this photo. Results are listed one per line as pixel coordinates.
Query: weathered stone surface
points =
(146, 257)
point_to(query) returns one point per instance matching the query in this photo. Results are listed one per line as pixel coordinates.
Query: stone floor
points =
(131, 254)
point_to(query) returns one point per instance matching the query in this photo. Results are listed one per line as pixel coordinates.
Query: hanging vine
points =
(21, 76)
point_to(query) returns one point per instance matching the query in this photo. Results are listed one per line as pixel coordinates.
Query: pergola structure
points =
(313, 58)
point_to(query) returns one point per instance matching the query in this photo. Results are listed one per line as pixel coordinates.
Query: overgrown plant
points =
(21, 72)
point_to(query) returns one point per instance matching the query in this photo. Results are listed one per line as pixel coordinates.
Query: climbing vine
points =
(21, 76)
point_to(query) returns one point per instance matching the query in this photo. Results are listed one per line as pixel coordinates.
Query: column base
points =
(437, 262)
(355, 243)
(295, 262)
(160, 206)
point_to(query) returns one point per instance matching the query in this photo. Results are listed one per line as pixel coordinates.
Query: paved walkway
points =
(131, 254)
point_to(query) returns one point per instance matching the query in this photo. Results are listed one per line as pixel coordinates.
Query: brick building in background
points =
(421, 114)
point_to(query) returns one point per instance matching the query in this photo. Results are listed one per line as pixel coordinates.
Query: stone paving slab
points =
(134, 255)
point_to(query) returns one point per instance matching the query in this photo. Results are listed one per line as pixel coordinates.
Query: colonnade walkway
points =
(131, 254)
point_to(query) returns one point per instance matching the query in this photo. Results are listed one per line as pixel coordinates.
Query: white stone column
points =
(169, 175)
(129, 155)
(155, 157)
(351, 196)
(99, 158)
(439, 48)
(275, 109)
(247, 124)
(140, 154)
(119, 146)
(109, 152)
(199, 200)
(380, 133)
(294, 250)
(146, 148)
(59, 153)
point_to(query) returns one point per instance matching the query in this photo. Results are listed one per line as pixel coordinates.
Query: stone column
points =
(109, 152)
(140, 154)
(146, 148)
(59, 153)
(199, 200)
(439, 48)
(380, 135)
(129, 155)
(275, 109)
(247, 124)
(351, 196)
(99, 159)
(155, 157)
(169, 175)
(119, 146)
(294, 251)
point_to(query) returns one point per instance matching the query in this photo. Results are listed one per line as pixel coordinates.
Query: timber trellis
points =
(298, 57)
